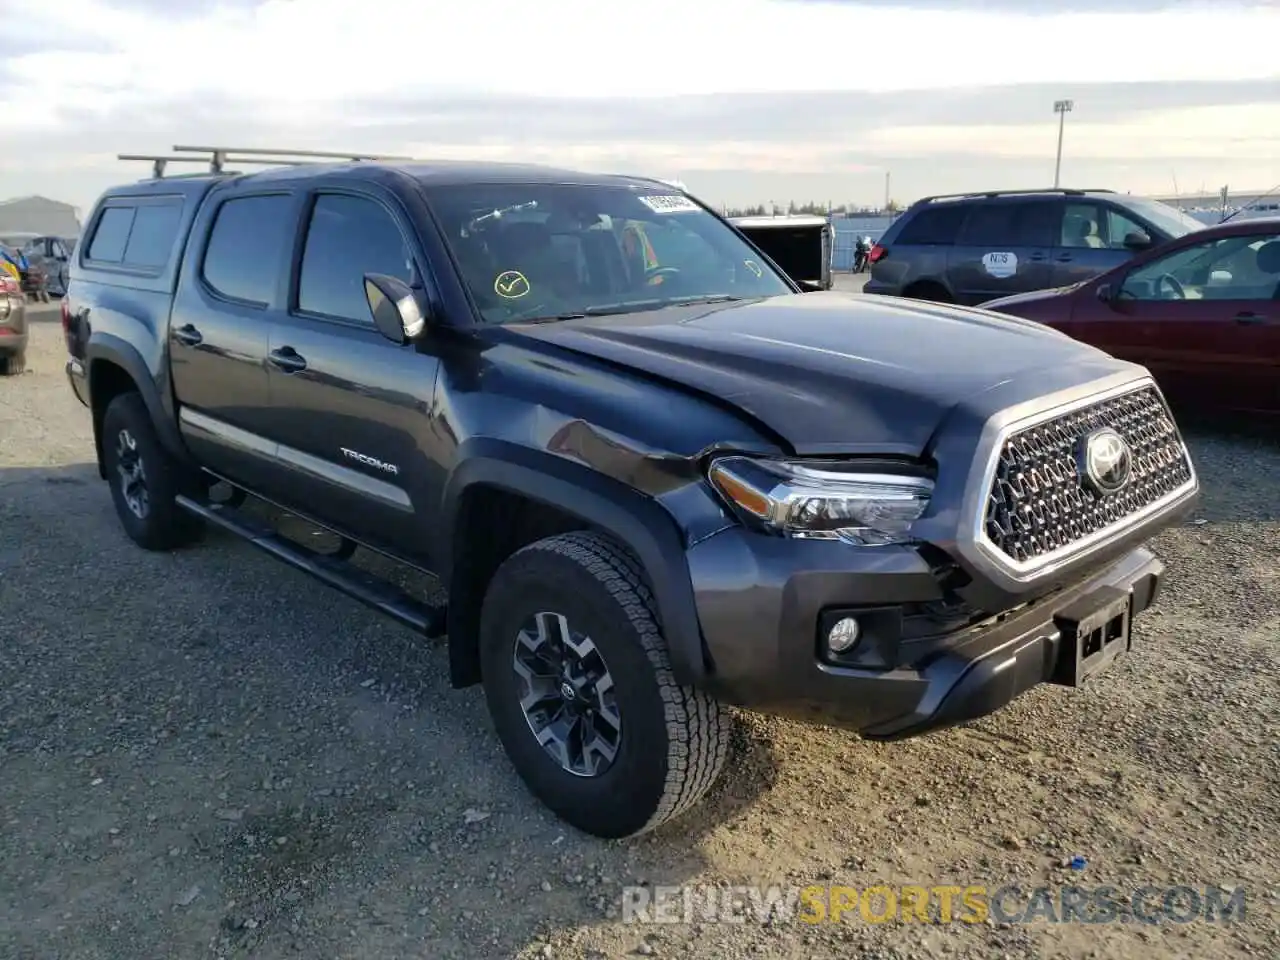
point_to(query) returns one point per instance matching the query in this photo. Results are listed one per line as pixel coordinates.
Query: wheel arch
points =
(114, 366)
(926, 286)
(560, 496)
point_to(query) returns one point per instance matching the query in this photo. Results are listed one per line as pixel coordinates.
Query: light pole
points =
(1061, 108)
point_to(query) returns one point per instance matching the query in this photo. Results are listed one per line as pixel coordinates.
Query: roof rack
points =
(218, 157)
(1065, 191)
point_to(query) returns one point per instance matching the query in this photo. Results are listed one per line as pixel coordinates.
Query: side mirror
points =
(1138, 240)
(397, 312)
(1106, 293)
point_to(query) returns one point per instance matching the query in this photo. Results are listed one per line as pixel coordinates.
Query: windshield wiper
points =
(717, 298)
(629, 306)
(552, 319)
(635, 306)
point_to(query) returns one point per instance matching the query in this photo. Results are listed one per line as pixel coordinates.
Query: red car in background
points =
(1201, 312)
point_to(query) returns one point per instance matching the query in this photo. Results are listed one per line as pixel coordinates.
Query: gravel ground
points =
(208, 754)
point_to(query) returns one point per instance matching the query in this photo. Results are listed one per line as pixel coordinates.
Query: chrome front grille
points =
(1039, 502)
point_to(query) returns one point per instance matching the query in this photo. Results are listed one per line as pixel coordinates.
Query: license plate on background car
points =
(1094, 631)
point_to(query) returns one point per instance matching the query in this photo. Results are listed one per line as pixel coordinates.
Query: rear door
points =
(233, 281)
(1002, 249)
(1205, 318)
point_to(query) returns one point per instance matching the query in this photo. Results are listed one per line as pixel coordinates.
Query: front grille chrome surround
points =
(1034, 514)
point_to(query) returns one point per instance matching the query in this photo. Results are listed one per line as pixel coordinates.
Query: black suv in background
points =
(973, 247)
(647, 487)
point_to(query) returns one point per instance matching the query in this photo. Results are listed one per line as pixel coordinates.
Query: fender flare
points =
(637, 521)
(108, 347)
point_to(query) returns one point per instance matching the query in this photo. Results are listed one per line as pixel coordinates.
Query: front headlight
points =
(831, 501)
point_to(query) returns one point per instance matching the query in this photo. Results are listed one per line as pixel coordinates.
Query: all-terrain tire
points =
(13, 364)
(673, 740)
(161, 524)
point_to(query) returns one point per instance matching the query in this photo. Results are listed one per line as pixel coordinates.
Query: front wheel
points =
(580, 688)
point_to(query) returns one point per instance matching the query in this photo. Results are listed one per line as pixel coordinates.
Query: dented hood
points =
(829, 372)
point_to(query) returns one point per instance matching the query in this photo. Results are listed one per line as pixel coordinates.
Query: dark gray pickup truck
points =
(650, 490)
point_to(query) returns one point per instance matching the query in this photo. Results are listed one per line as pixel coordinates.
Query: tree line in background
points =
(813, 209)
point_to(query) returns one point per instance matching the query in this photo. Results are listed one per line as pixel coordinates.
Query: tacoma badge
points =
(370, 461)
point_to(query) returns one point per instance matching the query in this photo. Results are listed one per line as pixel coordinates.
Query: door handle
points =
(188, 334)
(1037, 257)
(287, 359)
(1250, 318)
(1067, 258)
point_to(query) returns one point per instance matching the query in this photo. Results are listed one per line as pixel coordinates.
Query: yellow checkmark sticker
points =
(754, 267)
(511, 284)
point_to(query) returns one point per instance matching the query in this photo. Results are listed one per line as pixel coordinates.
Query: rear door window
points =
(245, 253)
(934, 226)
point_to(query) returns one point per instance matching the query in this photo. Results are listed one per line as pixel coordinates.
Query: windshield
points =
(539, 250)
(1164, 217)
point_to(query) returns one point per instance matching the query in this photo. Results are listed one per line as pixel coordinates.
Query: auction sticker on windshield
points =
(672, 204)
(1000, 264)
(511, 284)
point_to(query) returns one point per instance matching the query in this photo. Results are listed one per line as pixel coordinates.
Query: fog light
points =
(843, 635)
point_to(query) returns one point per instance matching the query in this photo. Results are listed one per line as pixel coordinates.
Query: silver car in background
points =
(13, 326)
(50, 253)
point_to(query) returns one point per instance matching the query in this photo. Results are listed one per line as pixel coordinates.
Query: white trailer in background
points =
(803, 246)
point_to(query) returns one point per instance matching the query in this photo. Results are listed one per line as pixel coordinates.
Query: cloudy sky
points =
(744, 100)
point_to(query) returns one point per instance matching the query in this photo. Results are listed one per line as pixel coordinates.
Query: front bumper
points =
(762, 620)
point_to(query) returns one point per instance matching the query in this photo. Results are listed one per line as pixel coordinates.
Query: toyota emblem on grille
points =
(1105, 461)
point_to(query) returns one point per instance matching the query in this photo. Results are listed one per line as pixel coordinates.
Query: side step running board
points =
(356, 583)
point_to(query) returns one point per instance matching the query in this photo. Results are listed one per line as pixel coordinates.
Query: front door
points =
(350, 409)
(1205, 318)
(1002, 249)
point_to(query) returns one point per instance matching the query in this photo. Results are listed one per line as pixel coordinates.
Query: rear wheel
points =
(12, 364)
(932, 292)
(144, 478)
(580, 688)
